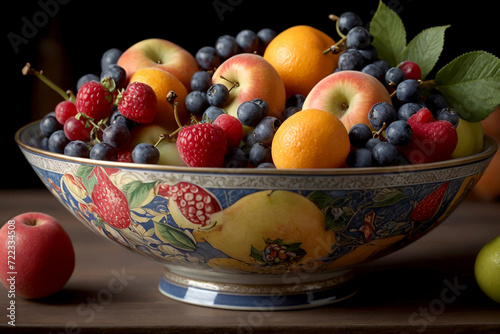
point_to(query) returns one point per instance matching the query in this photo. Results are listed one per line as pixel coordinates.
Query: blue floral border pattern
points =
(370, 215)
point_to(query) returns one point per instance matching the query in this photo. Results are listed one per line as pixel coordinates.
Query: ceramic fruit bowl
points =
(256, 238)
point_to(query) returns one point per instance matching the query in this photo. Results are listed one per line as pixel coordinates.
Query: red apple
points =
(255, 78)
(37, 255)
(157, 52)
(349, 95)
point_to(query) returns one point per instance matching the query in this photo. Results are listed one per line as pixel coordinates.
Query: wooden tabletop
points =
(427, 287)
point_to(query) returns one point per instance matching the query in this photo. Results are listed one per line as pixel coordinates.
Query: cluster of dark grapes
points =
(378, 144)
(379, 147)
(355, 48)
(246, 41)
(207, 100)
(255, 147)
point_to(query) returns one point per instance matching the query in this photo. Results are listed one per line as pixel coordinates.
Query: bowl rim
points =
(490, 147)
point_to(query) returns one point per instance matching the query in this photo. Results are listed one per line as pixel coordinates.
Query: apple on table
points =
(161, 53)
(349, 95)
(37, 255)
(487, 269)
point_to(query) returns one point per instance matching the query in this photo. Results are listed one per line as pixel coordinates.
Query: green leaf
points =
(389, 35)
(257, 255)
(426, 48)
(387, 197)
(320, 199)
(137, 192)
(89, 180)
(175, 237)
(471, 84)
(336, 223)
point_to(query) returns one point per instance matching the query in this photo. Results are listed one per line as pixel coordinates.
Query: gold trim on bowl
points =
(256, 289)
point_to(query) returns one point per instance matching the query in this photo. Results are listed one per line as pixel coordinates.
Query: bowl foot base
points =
(255, 296)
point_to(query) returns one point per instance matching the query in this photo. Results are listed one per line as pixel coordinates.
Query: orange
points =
(162, 83)
(297, 54)
(311, 138)
(488, 187)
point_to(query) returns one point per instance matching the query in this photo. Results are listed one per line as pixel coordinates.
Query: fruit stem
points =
(175, 132)
(378, 134)
(336, 19)
(171, 96)
(176, 114)
(90, 122)
(337, 47)
(160, 138)
(234, 83)
(392, 94)
(68, 96)
(428, 84)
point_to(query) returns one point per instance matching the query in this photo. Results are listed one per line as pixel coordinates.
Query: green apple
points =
(487, 269)
(150, 133)
(470, 139)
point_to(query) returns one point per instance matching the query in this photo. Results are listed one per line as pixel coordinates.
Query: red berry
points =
(125, 154)
(202, 145)
(75, 129)
(232, 127)
(94, 100)
(432, 140)
(65, 110)
(411, 70)
(138, 103)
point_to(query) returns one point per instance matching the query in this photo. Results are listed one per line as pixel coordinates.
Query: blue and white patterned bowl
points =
(256, 238)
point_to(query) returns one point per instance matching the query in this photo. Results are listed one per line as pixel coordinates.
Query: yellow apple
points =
(487, 269)
(150, 133)
(470, 139)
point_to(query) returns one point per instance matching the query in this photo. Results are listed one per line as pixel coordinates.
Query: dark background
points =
(70, 37)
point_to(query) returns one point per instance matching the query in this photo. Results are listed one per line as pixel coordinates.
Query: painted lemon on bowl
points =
(271, 227)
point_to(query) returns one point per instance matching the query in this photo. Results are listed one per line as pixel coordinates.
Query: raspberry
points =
(432, 140)
(202, 145)
(138, 103)
(94, 100)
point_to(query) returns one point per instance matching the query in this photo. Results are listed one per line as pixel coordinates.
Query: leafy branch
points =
(470, 83)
